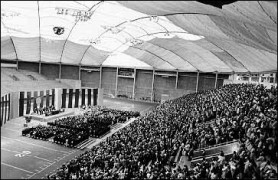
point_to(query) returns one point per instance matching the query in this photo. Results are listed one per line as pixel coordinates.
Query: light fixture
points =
(135, 42)
(95, 42)
(167, 33)
(154, 18)
(113, 29)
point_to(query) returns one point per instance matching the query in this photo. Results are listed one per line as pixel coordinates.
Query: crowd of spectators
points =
(143, 150)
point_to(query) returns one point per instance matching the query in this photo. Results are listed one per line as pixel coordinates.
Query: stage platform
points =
(44, 118)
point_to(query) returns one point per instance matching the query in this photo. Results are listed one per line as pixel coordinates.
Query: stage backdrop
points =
(5, 108)
(73, 98)
(60, 98)
(16, 104)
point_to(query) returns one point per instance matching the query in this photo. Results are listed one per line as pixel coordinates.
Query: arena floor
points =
(26, 158)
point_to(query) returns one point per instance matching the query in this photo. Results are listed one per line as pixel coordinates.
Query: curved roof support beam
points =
(40, 46)
(2, 22)
(231, 56)
(155, 56)
(175, 54)
(72, 30)
(92, 46)
(145, 17)
(139, 28)
(266, 12)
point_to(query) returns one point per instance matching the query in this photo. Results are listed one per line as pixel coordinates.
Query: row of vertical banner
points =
(73, 98)
(5, 109)
(28, 100)
(19, 104)
(70, 99)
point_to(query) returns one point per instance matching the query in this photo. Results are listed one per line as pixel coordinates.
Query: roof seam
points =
(231, 56)
(175, 54)
(154, 55)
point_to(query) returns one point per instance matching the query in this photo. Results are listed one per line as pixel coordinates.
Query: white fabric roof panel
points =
(149, 58)
(72, 52)
(27, 49)
(167, 55)
(197, 56)
(7, 48)
(94, 57)
(184, 35)
(255, 60)
(51, 50)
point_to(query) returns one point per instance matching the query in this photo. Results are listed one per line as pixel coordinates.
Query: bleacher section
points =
(26, 81)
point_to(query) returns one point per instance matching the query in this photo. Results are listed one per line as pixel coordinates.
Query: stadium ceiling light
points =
(113, 29)
(135, 42)
(154, 18)
(167, 33)
(95, 42)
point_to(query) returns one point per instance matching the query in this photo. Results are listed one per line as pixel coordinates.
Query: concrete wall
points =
(187, 81)
(51, 71)
(108, 82)
(90, 79)
(30, 66)
(70, 72)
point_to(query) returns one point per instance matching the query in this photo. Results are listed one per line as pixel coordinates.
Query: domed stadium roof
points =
(186, 35)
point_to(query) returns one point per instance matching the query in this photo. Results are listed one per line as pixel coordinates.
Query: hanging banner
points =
(83, 97)
(64, 94)
(41, 97)
(47, 98)
(53, 97)
(70, 98)
(89, 96)
(28, 109)
(95, 94)
(21, 103)
(76, 98)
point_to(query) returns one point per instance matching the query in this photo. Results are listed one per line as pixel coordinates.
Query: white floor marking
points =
(27, 155)
(35, 145)
(9, 122)
(16, 168)
(11, 129)
(47, 166)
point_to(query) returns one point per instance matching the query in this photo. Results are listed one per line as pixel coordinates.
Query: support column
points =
(233, 77)
(260, 78)
(177, 78)
(100, 76)
(152, 97)
(116, 89)
(40, 67)
(197, 83)
(60, 71)
(249, 80)
(79, 75)
(274, 79)
(216, 76)
(17, 65)
(134, 82)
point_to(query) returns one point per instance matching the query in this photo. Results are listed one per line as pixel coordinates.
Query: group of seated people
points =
(142, 150)
(48, 111)
(70, 130)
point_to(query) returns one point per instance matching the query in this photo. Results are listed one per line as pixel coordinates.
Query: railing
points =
(216, 145)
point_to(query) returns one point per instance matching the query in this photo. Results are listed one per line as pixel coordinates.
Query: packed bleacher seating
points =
(143, 150)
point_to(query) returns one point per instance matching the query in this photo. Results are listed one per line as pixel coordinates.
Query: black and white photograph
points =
(139, 90)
